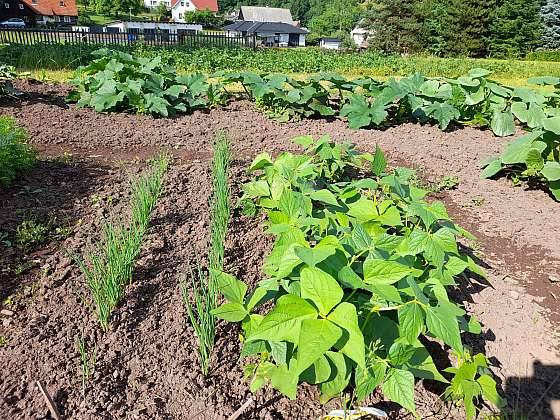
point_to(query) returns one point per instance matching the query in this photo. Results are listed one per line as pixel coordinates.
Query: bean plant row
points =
(357, 282)
(118, 81)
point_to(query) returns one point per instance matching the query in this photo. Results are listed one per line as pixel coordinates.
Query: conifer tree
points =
(467, 27)
(550, 14)
(398, 26)
(516, 28)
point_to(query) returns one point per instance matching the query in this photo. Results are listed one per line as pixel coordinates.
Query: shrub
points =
(15, 154)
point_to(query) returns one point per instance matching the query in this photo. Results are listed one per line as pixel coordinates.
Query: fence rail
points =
(160, 38)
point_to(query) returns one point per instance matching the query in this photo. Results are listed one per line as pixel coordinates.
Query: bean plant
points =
(357, 282)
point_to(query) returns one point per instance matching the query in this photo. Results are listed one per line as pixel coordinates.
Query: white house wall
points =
(178, 12)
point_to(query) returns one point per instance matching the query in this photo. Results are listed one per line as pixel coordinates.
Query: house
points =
(330, 43)
(360, 36)
(272, 26)
(41, 12)
(180, 7)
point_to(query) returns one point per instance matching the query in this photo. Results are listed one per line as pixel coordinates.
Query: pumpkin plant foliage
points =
(535, 155)
(356, 281)
(118, 81)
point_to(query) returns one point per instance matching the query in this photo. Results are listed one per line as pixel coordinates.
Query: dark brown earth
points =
(147, 364)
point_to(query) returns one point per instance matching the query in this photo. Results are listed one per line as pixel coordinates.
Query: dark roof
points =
(274, 27)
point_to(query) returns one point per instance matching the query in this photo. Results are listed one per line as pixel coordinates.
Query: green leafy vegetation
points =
(298, 60)
(470, 99)
(120, 82)
(32, 232)
(87, 360)
(535, 155)
(108, 266)
(356, 281)
(203, 287)
(7, 74)
(16, 155)
(283, 97)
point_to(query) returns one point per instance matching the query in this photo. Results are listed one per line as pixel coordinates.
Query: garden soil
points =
(147, 366)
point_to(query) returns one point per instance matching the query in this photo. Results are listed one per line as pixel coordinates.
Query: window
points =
(20, 6)
(182, 3)
(180, 16)
(67, 19)
(7, 5)
(33, 1)
(62, 3)
(57, 18)
(154, 2)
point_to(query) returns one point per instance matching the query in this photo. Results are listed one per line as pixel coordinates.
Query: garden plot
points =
(147, 364)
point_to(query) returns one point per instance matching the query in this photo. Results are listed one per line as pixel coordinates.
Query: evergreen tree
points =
(467, 27)
(516, 28)
(550, 13)
(436, 14)
(398, 26)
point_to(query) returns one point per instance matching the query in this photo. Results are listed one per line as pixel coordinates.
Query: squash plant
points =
(534, 155)
(121, 82)
(356, 283)
(284, 98)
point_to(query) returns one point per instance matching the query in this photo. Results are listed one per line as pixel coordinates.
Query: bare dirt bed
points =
(147, 364)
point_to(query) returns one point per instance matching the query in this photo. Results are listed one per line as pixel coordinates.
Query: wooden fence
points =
(159, 38)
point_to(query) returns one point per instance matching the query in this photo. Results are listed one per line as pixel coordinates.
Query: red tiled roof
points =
(211, 5)
(53, 7)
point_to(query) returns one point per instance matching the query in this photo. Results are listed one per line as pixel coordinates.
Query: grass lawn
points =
(103, 19)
